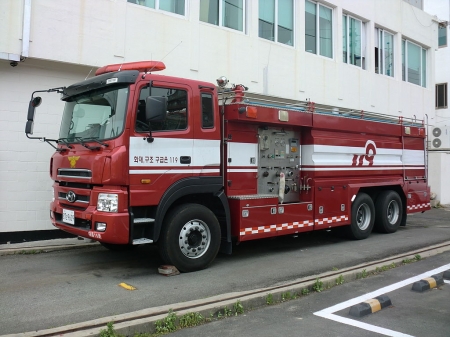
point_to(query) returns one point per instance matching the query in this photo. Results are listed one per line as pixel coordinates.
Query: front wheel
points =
(363, 217)
(389, 211)
(190, 237)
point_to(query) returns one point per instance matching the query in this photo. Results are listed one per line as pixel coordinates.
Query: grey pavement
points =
(40, 291)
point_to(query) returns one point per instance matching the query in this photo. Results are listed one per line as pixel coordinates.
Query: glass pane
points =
(173, 6)
(403, 60)
(267, 19)
(441, 94)
(207, 111)
(388, 54)
(413, 62)
(424, 68)
(209, 11)
(325, 32)
(233, 14)
(310, 27)
(344, 38)
(442, 40)
(176, 117)
(355, 42)
(98, 114)
(146, 3)
(285, 22)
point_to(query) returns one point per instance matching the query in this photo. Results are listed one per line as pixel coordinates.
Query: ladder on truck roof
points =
(255, 99)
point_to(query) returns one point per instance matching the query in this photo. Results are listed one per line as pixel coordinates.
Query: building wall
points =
(67, 41)
(440, 159)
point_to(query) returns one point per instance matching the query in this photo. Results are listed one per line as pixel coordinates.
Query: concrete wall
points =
(69, 38)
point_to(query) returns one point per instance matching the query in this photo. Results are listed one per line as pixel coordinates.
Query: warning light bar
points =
(142, 66)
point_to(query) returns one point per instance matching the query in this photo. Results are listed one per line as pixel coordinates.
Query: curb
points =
(428, 283)
(370, 306)
(144, 320)
(44, 249)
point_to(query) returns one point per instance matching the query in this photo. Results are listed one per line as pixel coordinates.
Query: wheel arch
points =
(207, 191)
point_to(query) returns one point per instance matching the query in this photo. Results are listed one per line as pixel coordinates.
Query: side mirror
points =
(155, 108)
(34, 103)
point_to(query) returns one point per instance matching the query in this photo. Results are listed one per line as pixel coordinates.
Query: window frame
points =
(348, 16)
(423, 79)
(161, 86)
(380, 36)
(318, 48)
(276, 24)
(445, 106)
(221, 14)
(157, 7)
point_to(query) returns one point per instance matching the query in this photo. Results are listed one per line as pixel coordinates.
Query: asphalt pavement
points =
(78, 281)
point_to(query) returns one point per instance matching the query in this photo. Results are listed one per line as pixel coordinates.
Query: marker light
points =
(100, 226)
(250, 111)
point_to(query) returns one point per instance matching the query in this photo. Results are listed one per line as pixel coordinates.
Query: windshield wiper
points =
(95, 139)
(65, 142)
(92, 139)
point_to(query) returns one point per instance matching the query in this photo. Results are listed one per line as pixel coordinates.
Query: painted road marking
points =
(127, 286)
(329, 312)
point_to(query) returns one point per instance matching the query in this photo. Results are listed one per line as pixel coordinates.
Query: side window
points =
(176, 116)
(207, 111)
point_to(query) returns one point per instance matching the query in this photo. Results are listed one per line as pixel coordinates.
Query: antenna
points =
(165, 55)
(88, 74)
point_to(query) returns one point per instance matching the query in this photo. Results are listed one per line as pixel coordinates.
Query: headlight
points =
(107, 202)
(53, 194)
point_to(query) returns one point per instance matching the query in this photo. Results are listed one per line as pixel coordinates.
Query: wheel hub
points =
(194, 239)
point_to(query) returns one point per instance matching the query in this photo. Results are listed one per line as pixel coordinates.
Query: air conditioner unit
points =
(440, 138)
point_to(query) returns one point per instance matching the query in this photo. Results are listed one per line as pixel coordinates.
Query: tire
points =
(190, 237)
(388, 212)
(118, 248)
(363, 217)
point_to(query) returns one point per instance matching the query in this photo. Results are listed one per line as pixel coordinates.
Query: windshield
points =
(97, 115)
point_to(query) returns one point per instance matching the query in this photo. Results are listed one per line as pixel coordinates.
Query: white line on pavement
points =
(329, 312)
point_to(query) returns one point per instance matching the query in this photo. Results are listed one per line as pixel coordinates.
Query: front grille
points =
(75, 173)
(79, 223)
(79, 198)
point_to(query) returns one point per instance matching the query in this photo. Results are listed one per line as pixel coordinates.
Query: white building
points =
(374, 55)
(440, 132)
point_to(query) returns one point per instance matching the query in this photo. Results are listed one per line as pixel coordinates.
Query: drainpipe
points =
(26, 28)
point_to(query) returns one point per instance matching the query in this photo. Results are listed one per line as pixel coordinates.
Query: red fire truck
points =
(194, 167)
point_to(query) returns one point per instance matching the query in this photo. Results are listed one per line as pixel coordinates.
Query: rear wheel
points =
(363, 216)
(190, 238)
(389, 212)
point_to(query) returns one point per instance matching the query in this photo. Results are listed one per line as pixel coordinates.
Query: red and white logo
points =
(365, 159)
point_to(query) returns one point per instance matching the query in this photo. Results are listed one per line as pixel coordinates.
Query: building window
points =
(442, 33)
(318, 29)
(414, 63)
(173, 6)
(225, 13)
(353, 46)
(276, 21)
(384, 52)
(441, 96)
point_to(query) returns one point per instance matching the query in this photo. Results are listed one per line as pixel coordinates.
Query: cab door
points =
(155, 166)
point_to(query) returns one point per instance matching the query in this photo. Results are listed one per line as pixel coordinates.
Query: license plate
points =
(68, 216)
